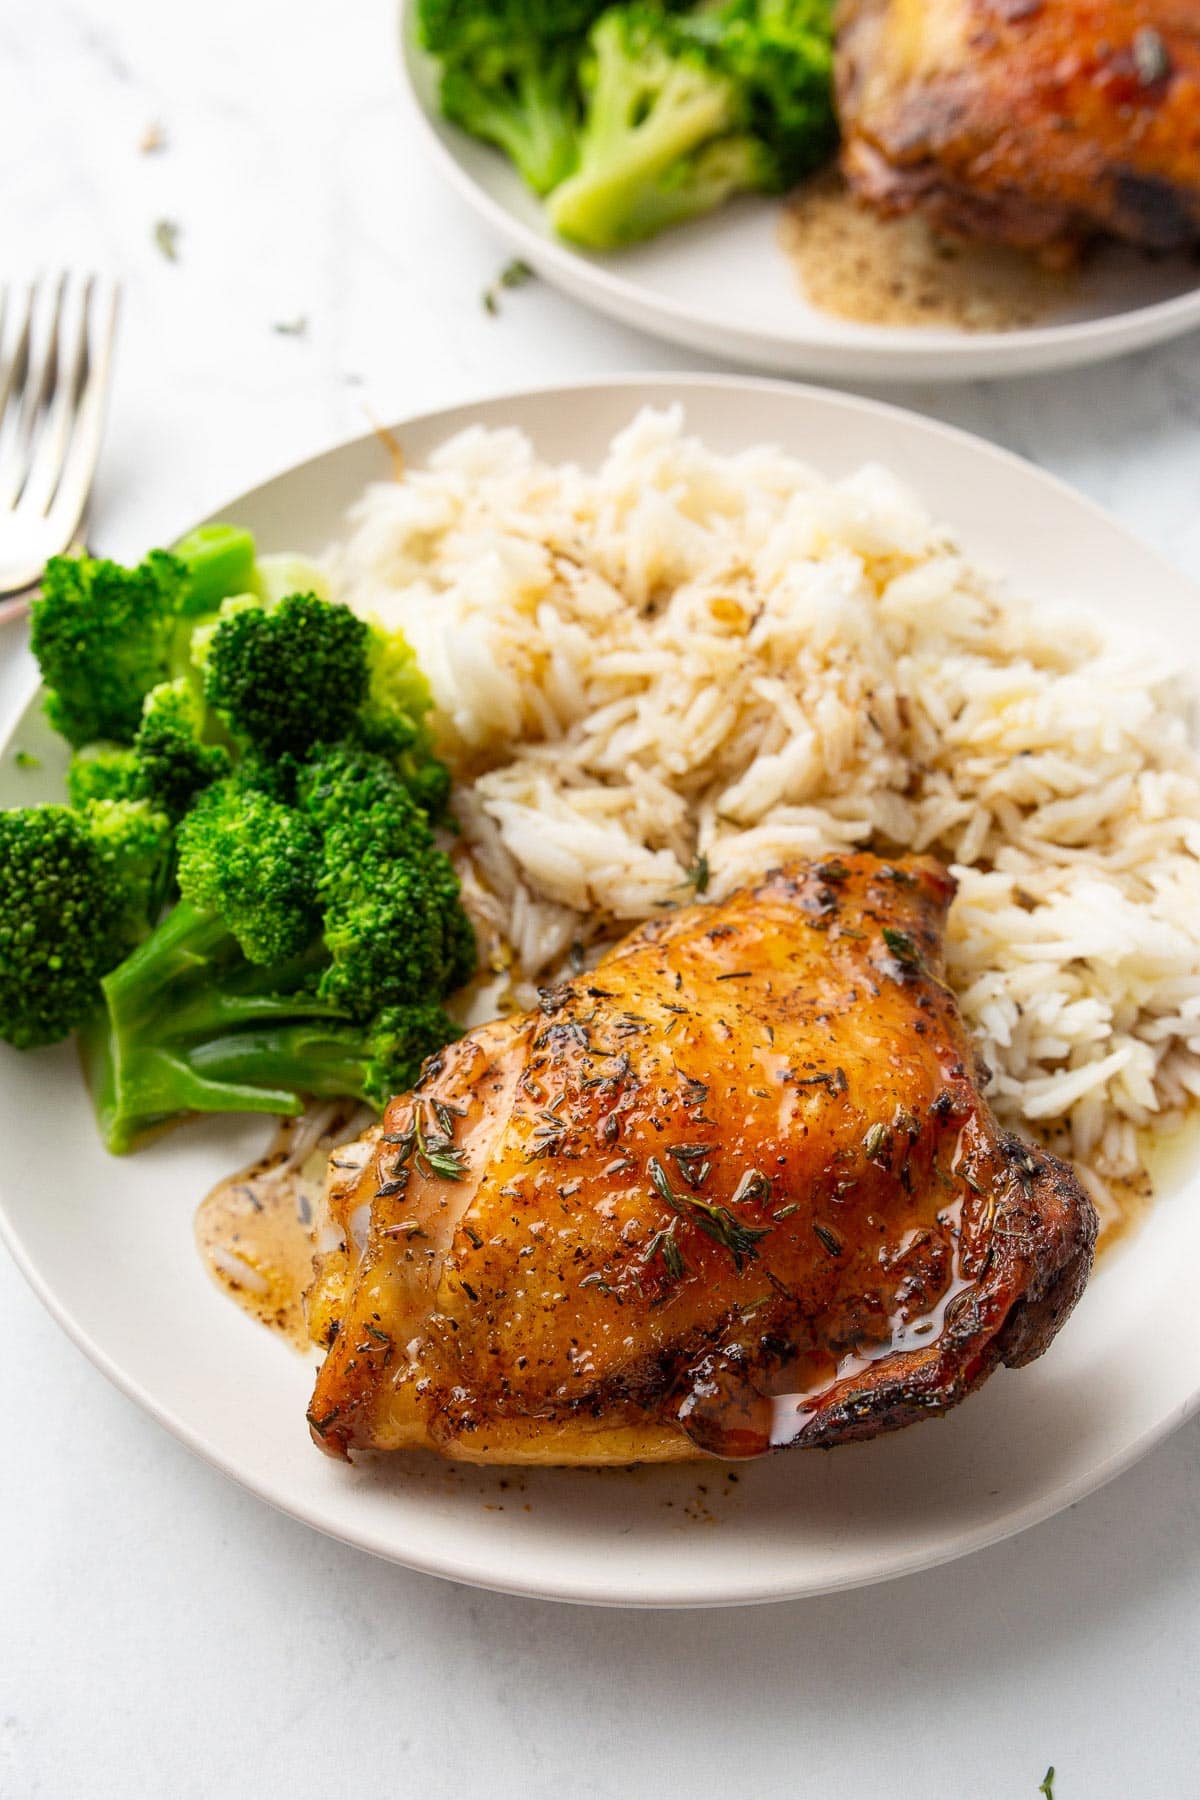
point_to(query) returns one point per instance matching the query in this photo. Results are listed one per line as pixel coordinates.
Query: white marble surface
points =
(161, 1633)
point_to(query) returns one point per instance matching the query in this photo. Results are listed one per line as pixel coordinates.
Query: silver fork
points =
(56, 344)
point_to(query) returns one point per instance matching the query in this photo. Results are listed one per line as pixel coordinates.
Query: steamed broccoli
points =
(287, 676)
(304, 671)
(255, 863)
(781, 52)
(77, 891)
(105, 635)
(102, 771)
(307, 955)
(666, 134)
(171, 762)
(394, 927)
(270, 763)
(508, 75)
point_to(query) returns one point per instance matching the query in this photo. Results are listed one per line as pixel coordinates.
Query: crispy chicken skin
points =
(1038, 123)
(735, 1188)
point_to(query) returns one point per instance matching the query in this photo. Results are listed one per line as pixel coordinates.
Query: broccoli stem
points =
(303, 1058)
(220, 562)
(632, 178)
(133, 1095)
(537, 133)
(191, 1027)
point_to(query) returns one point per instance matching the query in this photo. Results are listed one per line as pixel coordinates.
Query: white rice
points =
(688, 654)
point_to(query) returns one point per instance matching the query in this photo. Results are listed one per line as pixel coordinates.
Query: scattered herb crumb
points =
(1047, 1786)
(699, 875)
(25, 759)
(901, 947)
(513, 275)
(296, 328)
(153, 139)
(166, 238)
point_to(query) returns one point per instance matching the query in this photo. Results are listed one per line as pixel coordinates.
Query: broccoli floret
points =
(103, 637)
(284, 677)
(401, 1039)
(77, 891)
(361, 807)
(171, 762)
(508, 76)
(683, 110)
(307, 955)
(304, 671)
(254, 863)
(782, 53)
(395, 929)
(102, 772)
(665, 136)
(395, 932)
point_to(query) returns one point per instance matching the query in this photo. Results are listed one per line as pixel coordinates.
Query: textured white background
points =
(162, 1634)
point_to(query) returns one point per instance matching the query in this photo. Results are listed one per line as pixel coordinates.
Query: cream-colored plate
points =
(108, 1243)
(723, 285)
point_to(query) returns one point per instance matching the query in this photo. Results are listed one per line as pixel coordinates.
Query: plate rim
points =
(667, 1592)
(927, 354)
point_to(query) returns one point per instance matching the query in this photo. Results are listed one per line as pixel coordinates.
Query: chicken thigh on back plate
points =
(736, 1187)
(1030, 122)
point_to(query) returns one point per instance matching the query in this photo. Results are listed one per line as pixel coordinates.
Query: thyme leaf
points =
(902, 947)
(166, 238)
(513, 275)
(663, 1244)
(1047, 1786)
(715, 1221)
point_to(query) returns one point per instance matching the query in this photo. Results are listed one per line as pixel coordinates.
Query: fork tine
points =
(46, 465)
(40, 381)
(80, 465)
(13, 371)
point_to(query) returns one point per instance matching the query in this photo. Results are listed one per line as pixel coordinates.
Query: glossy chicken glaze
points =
(1030, 122)
(736, 1187)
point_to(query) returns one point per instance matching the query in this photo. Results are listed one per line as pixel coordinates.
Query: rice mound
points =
(689, 665)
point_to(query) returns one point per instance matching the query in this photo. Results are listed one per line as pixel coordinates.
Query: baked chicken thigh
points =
(736, 1187)
(1037, 123)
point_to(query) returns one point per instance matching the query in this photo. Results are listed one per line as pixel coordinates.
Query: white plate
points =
(724, 286)
(108, 1244)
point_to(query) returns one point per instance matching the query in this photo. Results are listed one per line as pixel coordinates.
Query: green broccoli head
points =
(400, 1040)
(102, 772)
(172, 763)
(395, 929)
(254, 864)
(666, 133)
(509, 76)
(77, 892)
(781, 51)
(284, 677)
(361, 806)
(103, 637)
